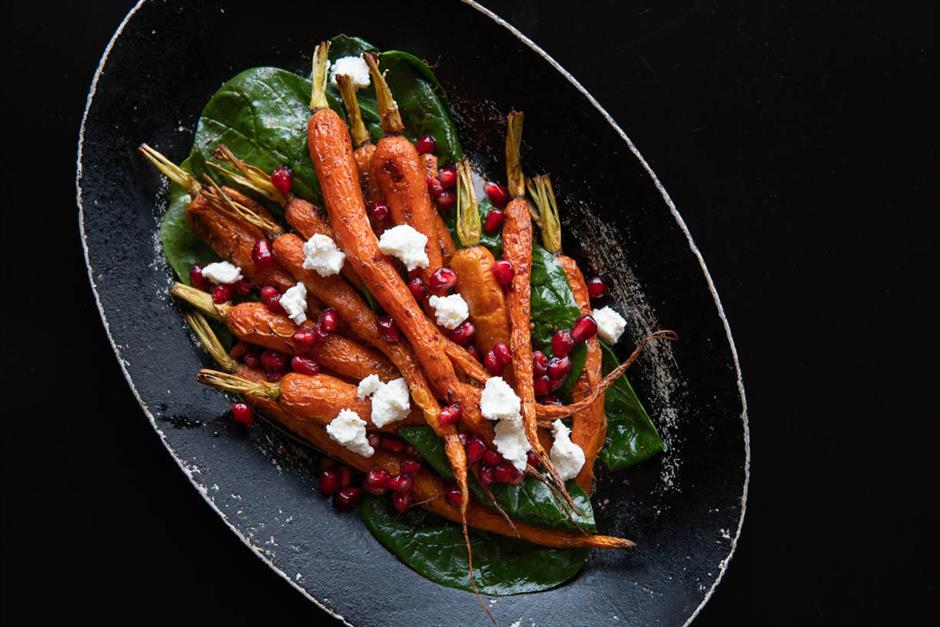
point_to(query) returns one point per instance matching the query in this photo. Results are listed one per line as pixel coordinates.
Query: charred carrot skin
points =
(363, 156)
(485, 298)
(589, 426)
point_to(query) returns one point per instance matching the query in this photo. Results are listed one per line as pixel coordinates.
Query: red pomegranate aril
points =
(434, 186)
(304, 339)
(502, 353)
(401, 483)
(492, 363)
(345, 476)
(542, 385)
(505, 473)
(196, 279)
(491, 457)
(243, 414)
(448, 177)
(498, 194)
(378, 211)
(268, 292)
(251, 359)
(242, 288)
(464, 438)
(475, 450)
(558, 368)
(273, 361)
(392, 445)
(411, 451)
(442, 281)
(261, 255)
(493, 221)
(450, 415)
(503, 272)
(283, 179)
(426, 145)
(583, 329)
(271, 297)
(222, 294)
(446, 200)
(346, 499)
(376, 481)
(328, 320)
(539, 363)
(273, 375)
(562, 343)
(596, 287)
(319, 335)
(410, 466)
(463, 334)
(474, 352)
(329, 481)
(238, 351)
(388, 330)
(486, 475)
(401, 501)
(453, 496)
(532, 459)
(375, 440)
(304, 365)
(416, 285)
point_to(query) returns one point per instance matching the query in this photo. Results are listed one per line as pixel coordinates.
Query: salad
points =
(358, 283)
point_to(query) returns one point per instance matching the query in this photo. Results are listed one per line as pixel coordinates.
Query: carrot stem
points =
(224, 203)
(202, 301)
(388, 109)
(357, 127)
(210, 341)
(468, 216)
(232, 383)
(249, 176)
(540, 188)
(318, 76)
(172, 171)
(514, 177)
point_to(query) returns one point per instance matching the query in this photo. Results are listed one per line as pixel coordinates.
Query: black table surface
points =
(799, 141)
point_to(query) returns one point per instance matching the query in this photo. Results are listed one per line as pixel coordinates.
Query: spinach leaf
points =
(181, 245)
(631, 434)
(435, 548)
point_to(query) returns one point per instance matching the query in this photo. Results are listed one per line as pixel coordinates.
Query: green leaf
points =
(631, 434)
(435, 548)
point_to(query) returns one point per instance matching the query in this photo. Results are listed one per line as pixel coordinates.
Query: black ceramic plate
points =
(684, 508)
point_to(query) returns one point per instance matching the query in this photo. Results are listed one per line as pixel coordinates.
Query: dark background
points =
(798, 139)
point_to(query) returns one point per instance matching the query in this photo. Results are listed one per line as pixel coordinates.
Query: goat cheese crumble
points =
(294, 302)
(511, 442)
(610, 324)
(222, 272)
(450, 311)
(322, 255)
(353, 67)
(391, 402)
(369, 386)
(498, 400)
(349, 430)
(407, 244)
(567, 457)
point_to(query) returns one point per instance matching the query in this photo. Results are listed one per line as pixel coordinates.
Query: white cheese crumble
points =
(222, 272)
(450, 311)
(499, 401)
(391, 401)
(349, 430)
(567, 457)
(407, 244)
(610, 324)
(511, 442)
(322, 255)
(294, 302)
(353, 67)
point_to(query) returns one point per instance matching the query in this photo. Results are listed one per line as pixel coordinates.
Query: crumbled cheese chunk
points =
(353, 67)
(407, 244)
(511, 442)
(567, 457)
(610, 324)
(369, 386)
(498, 400)
(222, 272)
(294, 302)
(349, 430)
(450, 311)
(391, 403)
(322, 255)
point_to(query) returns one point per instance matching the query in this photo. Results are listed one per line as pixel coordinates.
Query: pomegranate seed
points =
(378, 211)
(434, 186)
(493, 221)
(326, 463)
(243, 288)
(464, 438)
(252, 359)
(453, 496)
(558, 368)
(410, 466)
(388, 330)
(304, 339)
(474, 352)
(442, 281)
(446, 200)
(491, 458)
(401, 483)
(283, 179)
(503, 272)
(492, 363)
(238, 351)
(328, 320)
(304, 365)
(583, 329)
(268, 291)
(376, 482)
(271, 297)
(411, 451)
(448, 177)
(505, 473)
(498, 194)
(596, 287)
(532, 459)
(392, 445)
(274, 361)
(345, 476)
(539, 363)
(562, 343)
(273, 375)
(346, 499)
(449, 415)
(261, 255)
(375, 440)
(401, 501)
(222, 294)
(486, 475)
(475, 450)
(463, 334)
(243, 414)
(426, 144)
(416, 285)
(554, 384)
(196, 279)
(502, 352)
(319, 335)
(543, 385)
(329, 481)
